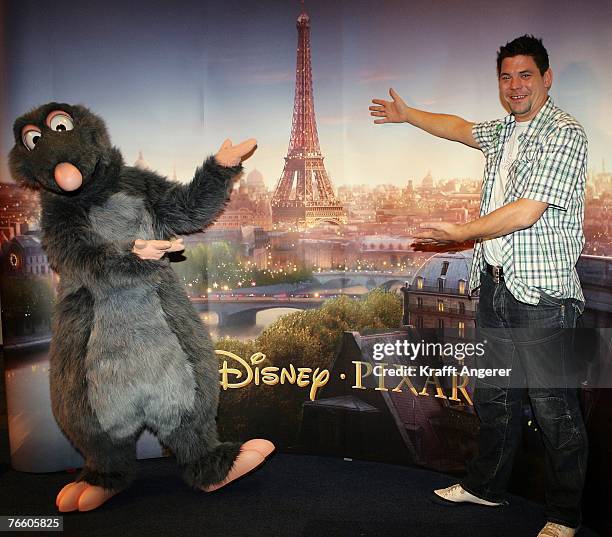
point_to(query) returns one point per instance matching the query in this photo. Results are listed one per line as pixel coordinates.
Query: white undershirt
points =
(493, 247)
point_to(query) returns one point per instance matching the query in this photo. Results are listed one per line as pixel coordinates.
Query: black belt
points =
(497, 273)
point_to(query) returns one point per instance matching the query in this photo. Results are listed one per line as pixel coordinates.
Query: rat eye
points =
(30, 136)
(59, 121)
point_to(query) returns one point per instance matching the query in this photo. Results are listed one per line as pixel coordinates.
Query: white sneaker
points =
(556, 530)
(456, 494)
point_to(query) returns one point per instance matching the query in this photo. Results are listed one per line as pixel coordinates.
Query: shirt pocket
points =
(518, 179)
(521, 170)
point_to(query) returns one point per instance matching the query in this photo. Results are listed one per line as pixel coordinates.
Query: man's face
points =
(522, 89)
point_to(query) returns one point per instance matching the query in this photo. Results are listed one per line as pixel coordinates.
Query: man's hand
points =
(441, 233)
(232, 155)
(390, 111)
(441, 125)
(155, 250)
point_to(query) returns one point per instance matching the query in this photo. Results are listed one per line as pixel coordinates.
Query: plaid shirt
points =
(551, 167)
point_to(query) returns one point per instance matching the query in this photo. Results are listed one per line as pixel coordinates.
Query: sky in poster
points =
(174, 79)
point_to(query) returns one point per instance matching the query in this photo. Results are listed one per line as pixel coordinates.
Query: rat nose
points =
(67, 176)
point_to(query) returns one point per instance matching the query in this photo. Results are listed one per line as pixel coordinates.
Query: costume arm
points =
(441, 125)
(186, 208)
(77, 251)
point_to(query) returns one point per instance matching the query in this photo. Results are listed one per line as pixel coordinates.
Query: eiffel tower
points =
(304, 194)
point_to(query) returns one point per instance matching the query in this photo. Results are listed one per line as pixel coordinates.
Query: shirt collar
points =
(538, 121)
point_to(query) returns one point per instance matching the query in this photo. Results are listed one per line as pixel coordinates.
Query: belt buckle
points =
(496, 273)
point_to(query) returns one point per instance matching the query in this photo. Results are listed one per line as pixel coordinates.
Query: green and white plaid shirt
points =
(550, 166)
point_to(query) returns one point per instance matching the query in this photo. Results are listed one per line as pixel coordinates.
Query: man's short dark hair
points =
(526, 45)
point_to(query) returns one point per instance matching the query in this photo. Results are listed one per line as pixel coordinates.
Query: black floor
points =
(290, 496)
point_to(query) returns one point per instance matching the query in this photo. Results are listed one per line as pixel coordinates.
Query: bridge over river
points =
(240, 306)
(242, 310)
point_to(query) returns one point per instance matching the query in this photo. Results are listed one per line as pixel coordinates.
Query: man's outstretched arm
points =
(519, 214)
(441, 125)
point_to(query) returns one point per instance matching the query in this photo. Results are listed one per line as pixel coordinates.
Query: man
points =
(527, 240)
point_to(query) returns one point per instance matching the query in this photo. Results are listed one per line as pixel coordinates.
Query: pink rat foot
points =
(265, 447)
(252, 455)
(81, 496)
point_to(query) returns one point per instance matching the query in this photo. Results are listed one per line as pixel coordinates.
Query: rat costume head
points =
(59, 147)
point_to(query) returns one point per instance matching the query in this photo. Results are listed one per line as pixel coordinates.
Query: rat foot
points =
(81, 496)
(247, 461)
(265, 447)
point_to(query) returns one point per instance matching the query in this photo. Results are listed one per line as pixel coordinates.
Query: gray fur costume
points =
(128, 351)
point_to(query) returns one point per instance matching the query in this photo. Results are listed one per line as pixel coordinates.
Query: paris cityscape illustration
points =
(307, 239)
(297, 235)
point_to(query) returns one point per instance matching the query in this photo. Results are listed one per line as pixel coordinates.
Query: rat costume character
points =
(128, 351)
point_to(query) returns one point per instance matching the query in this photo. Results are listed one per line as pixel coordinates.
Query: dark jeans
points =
(536, 342)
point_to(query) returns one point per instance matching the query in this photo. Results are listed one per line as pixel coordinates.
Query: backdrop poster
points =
(307, 281)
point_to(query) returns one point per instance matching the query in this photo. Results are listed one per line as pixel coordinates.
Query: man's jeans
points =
(536, 342)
